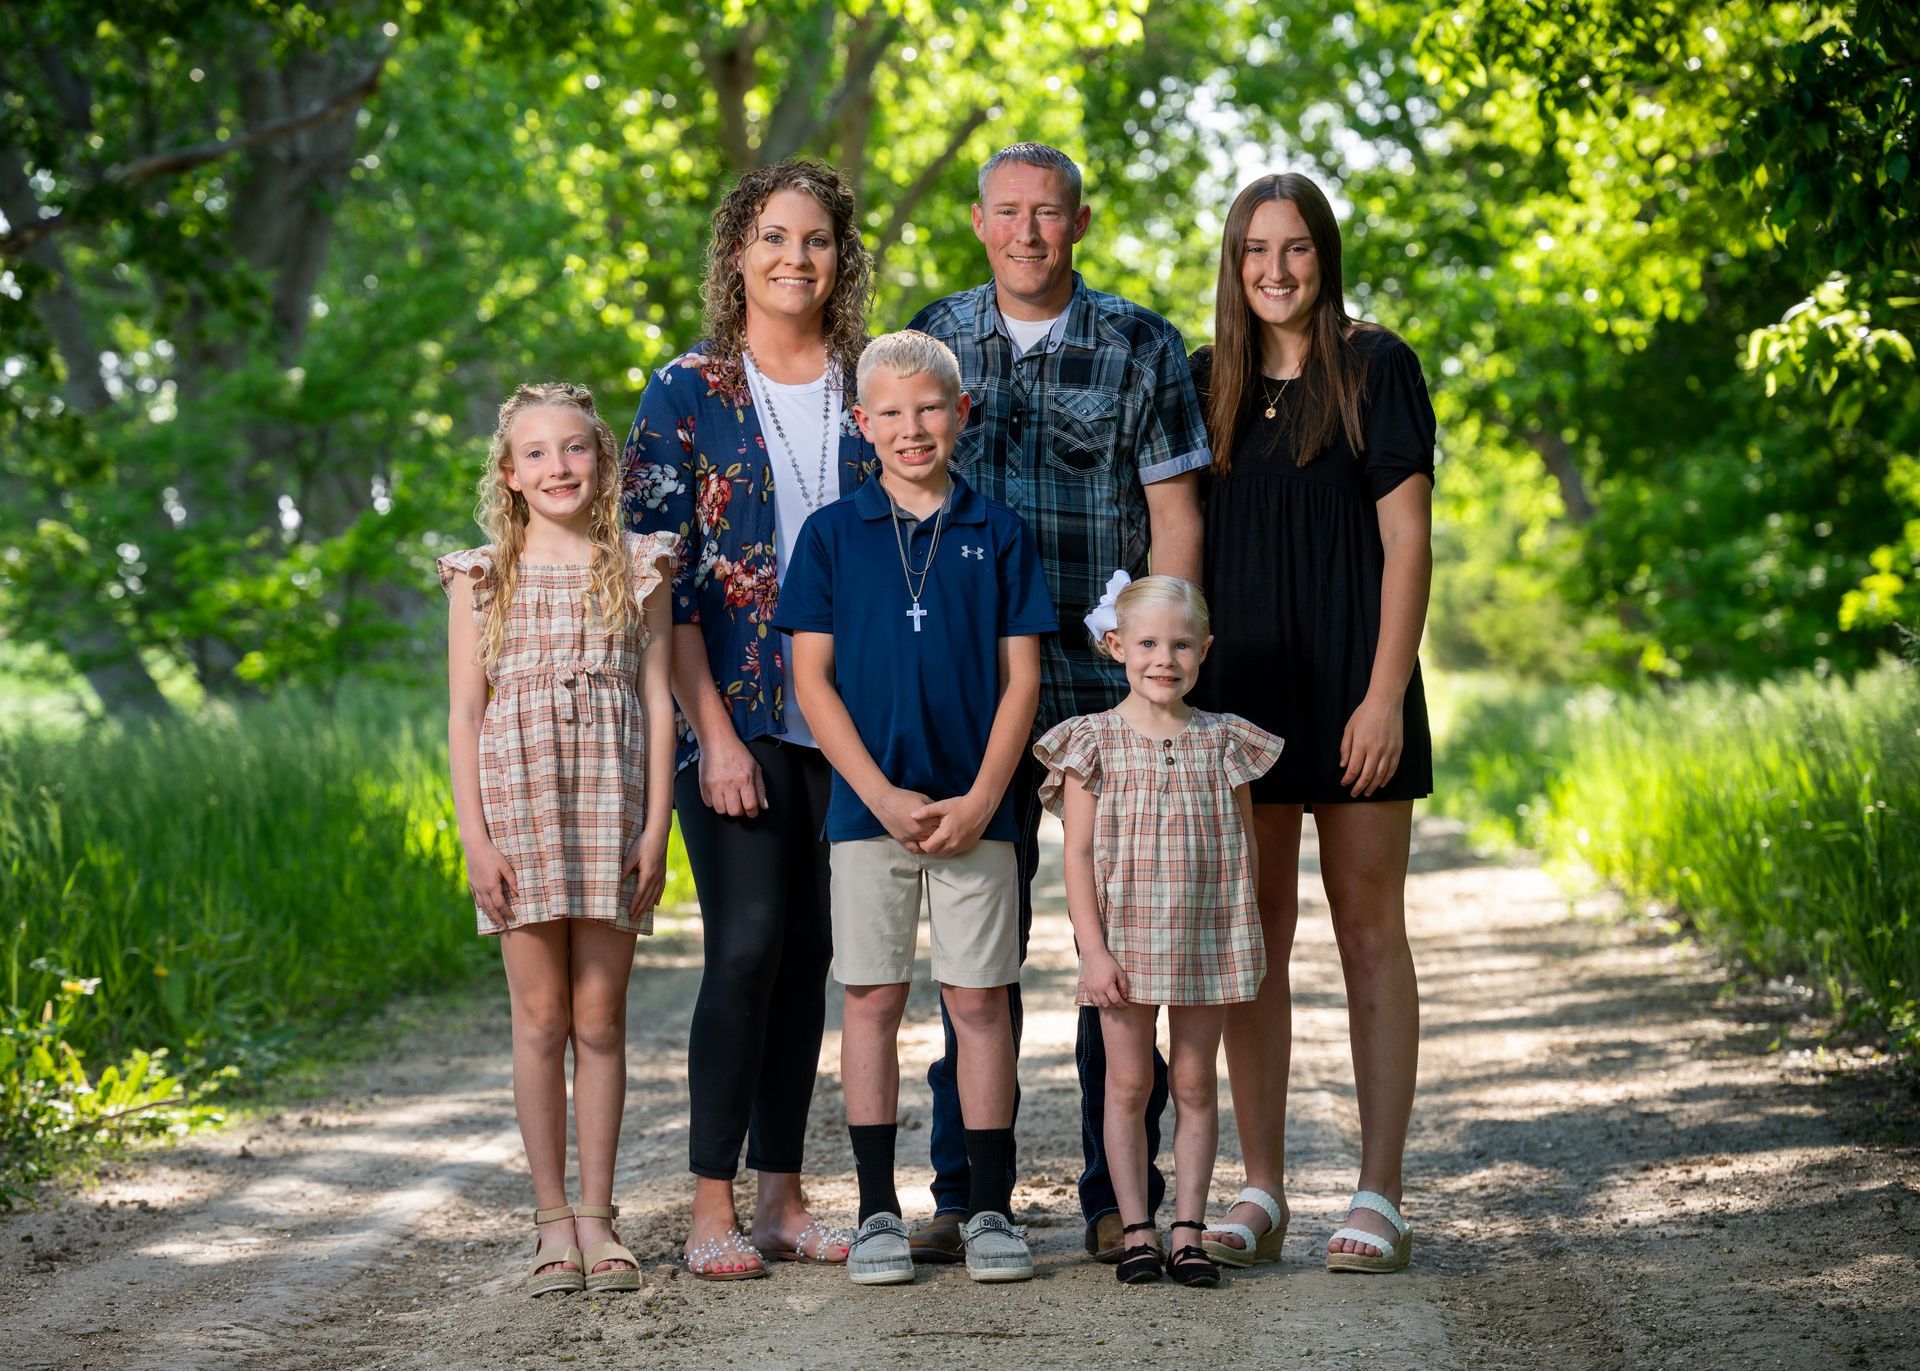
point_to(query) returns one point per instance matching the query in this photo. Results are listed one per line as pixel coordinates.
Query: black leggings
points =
(762, 883)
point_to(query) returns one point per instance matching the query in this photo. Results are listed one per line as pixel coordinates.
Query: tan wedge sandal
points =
(558, 1279)
(617, 1278)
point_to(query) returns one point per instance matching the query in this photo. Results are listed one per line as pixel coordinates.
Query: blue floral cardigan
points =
(696, 464)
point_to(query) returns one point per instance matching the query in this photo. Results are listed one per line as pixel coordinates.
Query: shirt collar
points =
(969, 505)
(1075, 324)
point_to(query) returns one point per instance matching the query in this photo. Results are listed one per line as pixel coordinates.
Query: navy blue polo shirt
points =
(922, 691)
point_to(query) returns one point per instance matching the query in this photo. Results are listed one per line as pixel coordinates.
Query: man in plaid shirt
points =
(1084, 421)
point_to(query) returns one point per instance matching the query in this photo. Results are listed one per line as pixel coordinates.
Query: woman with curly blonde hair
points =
(560, 737)
(736, 442)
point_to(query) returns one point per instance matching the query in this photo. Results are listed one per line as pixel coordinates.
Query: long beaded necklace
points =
(816, 497)
(906, 566)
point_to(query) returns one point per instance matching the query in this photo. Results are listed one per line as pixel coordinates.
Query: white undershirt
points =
(798, 408)
(1024, 332)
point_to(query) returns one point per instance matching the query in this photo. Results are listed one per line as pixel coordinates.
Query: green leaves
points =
(1593, 222)
(53, 1113)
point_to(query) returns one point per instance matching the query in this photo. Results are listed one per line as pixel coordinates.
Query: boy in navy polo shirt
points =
(915, 605)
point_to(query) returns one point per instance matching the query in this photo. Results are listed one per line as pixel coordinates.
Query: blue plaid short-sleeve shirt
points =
(1070, 434)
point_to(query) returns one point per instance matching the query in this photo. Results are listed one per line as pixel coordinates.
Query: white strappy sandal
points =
(1264, 1248)
(1393, 1256)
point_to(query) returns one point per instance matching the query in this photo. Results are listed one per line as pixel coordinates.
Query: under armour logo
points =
(979, 552)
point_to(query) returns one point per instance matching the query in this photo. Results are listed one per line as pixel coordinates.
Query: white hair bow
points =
(1104, 618)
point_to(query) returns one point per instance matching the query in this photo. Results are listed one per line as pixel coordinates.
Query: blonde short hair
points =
(1150, 591)
(909, 353)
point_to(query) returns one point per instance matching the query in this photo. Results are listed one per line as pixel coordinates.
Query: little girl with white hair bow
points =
(1160, 887)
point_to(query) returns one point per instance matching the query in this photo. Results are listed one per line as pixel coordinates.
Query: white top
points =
(1026, 332)
(797, 407)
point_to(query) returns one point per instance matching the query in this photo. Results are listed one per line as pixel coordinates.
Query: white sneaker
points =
(996, 1250)
(880, 1255)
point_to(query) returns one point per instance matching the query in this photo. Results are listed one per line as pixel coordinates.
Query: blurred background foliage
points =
(267, 267)
(1657, 257)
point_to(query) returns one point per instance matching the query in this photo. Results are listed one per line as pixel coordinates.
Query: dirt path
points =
(1607, 1170)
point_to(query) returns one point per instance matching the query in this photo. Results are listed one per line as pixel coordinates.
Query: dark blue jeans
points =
(948, 1144)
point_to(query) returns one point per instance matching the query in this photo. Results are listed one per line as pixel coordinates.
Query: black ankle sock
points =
(873, 1164)
(989, 1170)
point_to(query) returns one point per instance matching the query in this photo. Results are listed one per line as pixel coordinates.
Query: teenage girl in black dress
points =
(1318, 560)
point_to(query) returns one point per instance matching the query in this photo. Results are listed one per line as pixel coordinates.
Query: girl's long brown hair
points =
(1334, 376)
(844, 321)
(503, 514)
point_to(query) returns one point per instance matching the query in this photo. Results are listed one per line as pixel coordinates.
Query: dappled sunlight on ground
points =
(1606, 1170)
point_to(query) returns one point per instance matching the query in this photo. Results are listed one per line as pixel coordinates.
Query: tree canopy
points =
(268, 268)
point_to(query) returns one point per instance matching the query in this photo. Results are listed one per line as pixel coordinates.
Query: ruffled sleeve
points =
(1250, 750)
(1070, 748)
(475, 563)
(1399, 419)
(655, 558)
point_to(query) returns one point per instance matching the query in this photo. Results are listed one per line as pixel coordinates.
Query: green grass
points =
(1782, 820)
(237, 883)
(1496, 743)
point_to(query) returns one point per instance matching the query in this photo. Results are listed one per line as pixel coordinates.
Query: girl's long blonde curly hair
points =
(502, 512)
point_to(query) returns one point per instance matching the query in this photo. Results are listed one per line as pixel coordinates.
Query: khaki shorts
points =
(973, 905)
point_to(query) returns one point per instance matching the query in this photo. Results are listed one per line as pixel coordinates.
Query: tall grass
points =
(1782, 820)
(238, 879)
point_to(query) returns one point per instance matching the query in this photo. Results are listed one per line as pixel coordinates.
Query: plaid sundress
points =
(563, 748)
(1170, 856)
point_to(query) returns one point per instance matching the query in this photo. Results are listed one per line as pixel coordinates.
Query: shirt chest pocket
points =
(1082, 426)
(972, 444)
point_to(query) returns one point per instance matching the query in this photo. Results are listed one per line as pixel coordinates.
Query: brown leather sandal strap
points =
(565, 1211)
(596, 1211)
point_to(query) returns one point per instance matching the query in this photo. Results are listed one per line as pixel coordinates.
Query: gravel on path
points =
(1613, 1165)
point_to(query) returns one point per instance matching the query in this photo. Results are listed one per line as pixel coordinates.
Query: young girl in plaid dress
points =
(1160, 887)
(560, 733)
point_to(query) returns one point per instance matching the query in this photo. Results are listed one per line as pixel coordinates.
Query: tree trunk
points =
(285, 199)
(1561, 465)
(732, 69)
(93, 640)
(911, 197)
(103, 653)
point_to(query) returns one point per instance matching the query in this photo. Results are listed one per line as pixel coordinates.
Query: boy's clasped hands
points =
(937, 828)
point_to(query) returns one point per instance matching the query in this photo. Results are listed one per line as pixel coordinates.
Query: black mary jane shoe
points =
(1139, 1264)
(1190, 1265)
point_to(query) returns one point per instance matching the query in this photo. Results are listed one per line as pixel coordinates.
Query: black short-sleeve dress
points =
(1293, 569)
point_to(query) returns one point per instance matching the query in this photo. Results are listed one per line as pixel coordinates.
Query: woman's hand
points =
(490, 876)
(730, 779)
(647, 856)
(1370, 747)
(1103, 980)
